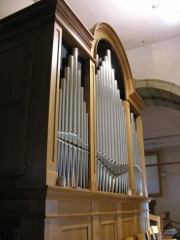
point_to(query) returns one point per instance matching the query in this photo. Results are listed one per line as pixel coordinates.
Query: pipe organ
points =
(74, 166)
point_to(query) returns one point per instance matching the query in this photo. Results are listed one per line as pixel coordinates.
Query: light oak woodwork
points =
(142, 152)
(130, 147)
(108, 215)
(53, 104)
(104, 31)
(140, 236)
(91, 108)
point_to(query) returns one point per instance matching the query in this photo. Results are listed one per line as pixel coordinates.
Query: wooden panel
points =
(76, 228)
(128, 227)
(51, 230)
(106, 207)
(107, 216)
(127, 206)
(53, 107)
(75, 233)
(108, 230)
(69, 207)
(16, 67)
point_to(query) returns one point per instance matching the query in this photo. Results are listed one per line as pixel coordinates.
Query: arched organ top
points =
(102, 48)
(105, 35)
(118, 147)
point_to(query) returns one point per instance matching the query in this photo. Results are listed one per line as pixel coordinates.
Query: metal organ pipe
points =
(73, 127)
(111, 130)
(111, 135)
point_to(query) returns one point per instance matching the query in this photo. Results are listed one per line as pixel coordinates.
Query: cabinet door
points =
(15, 71)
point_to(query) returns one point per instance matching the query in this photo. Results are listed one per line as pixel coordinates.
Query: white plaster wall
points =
(160, 121)
(10, 7)
(170, 201)
(156, 61)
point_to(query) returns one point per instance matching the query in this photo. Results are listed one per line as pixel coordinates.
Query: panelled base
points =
(80, 214)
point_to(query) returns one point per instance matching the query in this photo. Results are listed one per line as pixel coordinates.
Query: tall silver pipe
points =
(75, 90)
(71, 87)
(79, 107)
(67, 75)
(73, 127)
(63, 83)
(112, 154)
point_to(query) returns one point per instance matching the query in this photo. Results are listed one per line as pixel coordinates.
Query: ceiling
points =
(137, 24)
(135, 21)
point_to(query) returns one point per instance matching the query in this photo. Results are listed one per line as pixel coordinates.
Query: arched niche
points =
(105, 36)
(156, 92)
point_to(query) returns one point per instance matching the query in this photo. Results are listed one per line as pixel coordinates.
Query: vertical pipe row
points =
(111, 135)
(73, 127)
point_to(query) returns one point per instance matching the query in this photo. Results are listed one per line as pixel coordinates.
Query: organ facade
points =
(72, 162)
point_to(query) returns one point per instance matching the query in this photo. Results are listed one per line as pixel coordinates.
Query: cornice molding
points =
(136, 103)
(60, 193)
(69, 21)
(27, 18)
(49, 11)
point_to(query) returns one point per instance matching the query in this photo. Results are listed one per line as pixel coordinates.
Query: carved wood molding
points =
(62, 193)
(136, 103)
(49, 11)
(73, 27)
(28, 18)
(91, 214)
(105, 32)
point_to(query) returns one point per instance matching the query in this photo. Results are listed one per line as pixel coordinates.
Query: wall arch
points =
(159, 92)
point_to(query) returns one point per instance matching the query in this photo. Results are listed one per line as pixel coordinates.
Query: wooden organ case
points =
(72, 157)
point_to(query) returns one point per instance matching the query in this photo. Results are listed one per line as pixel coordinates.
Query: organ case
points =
(83, 157)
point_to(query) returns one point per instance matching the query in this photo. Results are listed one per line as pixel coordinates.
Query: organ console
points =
(77, 163)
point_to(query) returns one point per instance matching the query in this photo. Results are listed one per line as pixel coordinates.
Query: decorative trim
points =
(44, 11)
(136, 102)
(73, 26)
(91, 214)
(27, 18)
(62, 193)
(105, 31)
